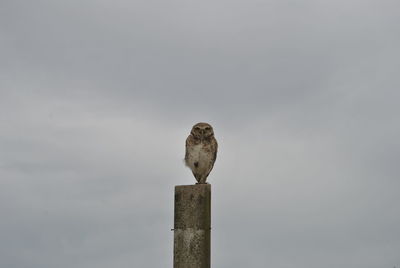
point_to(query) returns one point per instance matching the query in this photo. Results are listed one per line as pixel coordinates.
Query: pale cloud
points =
(97, 99)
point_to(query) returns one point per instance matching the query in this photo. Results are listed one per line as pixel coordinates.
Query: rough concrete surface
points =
(192, 226)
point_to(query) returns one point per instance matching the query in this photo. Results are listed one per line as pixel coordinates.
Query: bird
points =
(201, 151)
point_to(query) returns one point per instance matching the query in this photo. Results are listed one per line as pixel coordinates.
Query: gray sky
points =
(97, 98)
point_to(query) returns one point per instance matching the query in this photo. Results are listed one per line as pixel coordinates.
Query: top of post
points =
(193, 206)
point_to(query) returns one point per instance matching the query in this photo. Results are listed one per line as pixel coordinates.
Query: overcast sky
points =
(97, 98)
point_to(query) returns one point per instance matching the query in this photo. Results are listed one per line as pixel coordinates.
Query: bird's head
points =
(202, 131)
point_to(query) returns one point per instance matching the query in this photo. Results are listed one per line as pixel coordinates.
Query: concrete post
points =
(192, 226)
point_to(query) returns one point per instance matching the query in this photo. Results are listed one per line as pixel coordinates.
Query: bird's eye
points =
(197, 128)
(207, 128)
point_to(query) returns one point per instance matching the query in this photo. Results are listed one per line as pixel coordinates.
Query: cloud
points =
(97, 99)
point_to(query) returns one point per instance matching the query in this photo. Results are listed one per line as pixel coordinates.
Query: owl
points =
(201, 151)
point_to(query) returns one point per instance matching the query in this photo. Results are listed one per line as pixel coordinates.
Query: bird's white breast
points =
(196, 151)
(199, 155)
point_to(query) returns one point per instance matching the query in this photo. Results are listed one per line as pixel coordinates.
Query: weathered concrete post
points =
(192, 226)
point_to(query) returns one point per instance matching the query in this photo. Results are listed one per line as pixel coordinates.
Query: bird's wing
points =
(186, 147)
(216, 150)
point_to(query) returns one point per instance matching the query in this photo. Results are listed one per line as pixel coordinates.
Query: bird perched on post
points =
(201, 151)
